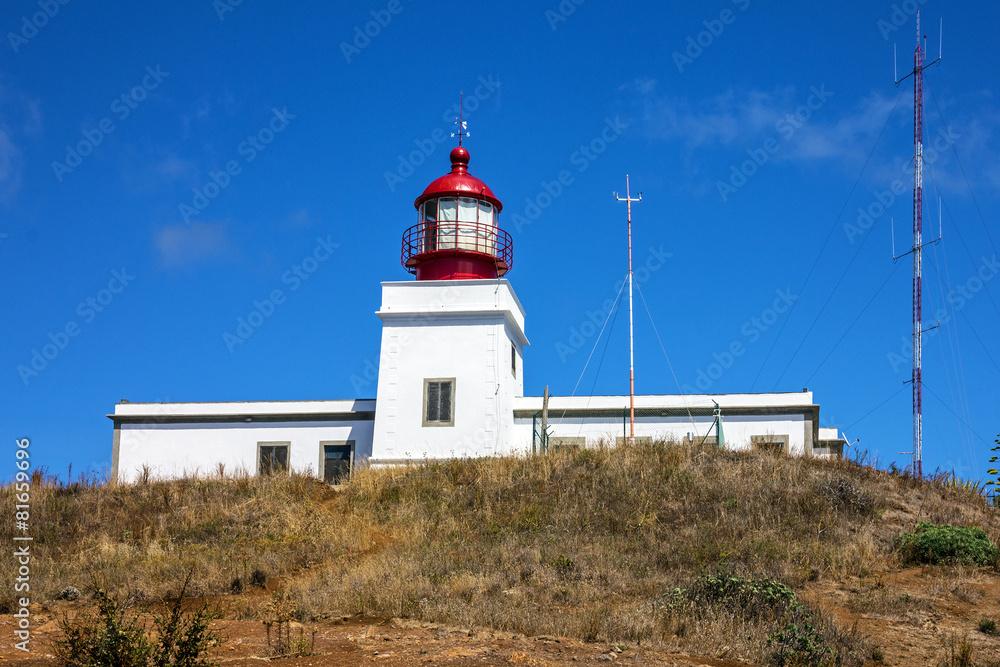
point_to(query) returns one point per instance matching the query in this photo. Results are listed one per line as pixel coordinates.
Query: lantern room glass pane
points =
(448, 208)
(431, 210)
(485, 213)
(467, 209)
(447, 227)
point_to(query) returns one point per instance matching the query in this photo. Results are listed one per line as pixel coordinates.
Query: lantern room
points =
(457, 235)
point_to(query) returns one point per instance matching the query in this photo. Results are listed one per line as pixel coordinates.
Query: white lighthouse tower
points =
(452, 340)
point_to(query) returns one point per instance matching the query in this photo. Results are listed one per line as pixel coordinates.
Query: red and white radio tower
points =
(917, 456)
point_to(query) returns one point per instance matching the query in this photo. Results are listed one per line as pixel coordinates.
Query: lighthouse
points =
(452, 339)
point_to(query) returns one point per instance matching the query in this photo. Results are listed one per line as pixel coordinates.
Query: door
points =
(337, 460)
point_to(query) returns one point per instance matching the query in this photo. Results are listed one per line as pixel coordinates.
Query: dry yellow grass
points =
(577, 543)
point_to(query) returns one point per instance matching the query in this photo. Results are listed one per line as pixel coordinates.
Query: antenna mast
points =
(917, 456)
(631, 366)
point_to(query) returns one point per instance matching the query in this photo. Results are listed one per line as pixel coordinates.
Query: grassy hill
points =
(747, 556)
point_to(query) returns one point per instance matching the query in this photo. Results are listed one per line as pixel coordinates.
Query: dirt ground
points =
(386, 642)
(913, 614)
(910, 613)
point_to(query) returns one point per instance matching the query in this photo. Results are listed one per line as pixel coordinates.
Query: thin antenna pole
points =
(916, 457)
(919, 65)
(631, 358)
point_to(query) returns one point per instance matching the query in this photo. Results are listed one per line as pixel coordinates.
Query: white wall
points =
(173, 450)
(460, 329)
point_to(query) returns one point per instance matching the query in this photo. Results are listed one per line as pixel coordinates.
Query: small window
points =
(272, 458)
(775, 444)
(513, 359)
(439, 402)
(639, 440)
(571, 442)
(336, 461)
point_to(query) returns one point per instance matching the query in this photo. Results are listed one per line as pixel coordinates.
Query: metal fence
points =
(582, 428)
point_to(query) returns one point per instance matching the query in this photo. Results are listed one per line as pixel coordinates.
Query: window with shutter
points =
(439, 394)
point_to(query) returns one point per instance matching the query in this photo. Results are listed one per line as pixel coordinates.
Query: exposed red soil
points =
(385, 642)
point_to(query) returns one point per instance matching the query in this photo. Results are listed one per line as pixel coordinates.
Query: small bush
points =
(756, 596)
(113, 636)
(109, 637)
(795, 634)
(800, 644)
(987, 626)
(946, 545)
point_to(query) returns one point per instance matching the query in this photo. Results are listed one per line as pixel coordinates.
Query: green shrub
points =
(796, 635)
(950, 545)
(800, 644)
(109, 637)
(756, 596)
(113, 636)
(987, 626)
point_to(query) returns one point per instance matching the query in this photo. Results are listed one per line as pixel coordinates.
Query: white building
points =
(451, 381)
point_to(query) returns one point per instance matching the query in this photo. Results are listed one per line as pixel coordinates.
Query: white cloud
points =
(20, 117)
(182, 246)
(740, 119)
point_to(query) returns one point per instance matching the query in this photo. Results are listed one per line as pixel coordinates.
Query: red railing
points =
(451, 236)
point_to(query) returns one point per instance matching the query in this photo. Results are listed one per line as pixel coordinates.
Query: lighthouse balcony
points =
(457, 249)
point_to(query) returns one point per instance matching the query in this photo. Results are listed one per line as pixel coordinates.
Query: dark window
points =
(438, 402)
(513, 360)
(273, 458)
(337, 460)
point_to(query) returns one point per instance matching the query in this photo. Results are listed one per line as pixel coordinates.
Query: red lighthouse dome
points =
(457, 235)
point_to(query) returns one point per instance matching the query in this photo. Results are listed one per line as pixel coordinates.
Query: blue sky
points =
(165, 168)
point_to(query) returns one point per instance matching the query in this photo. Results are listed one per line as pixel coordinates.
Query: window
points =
(570, 442)
(439, 395)
(513, 360)
(776, 444)
(336, 460)
(272, 457)
(639, 440)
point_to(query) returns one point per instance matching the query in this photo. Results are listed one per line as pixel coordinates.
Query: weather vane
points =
(463, 126)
